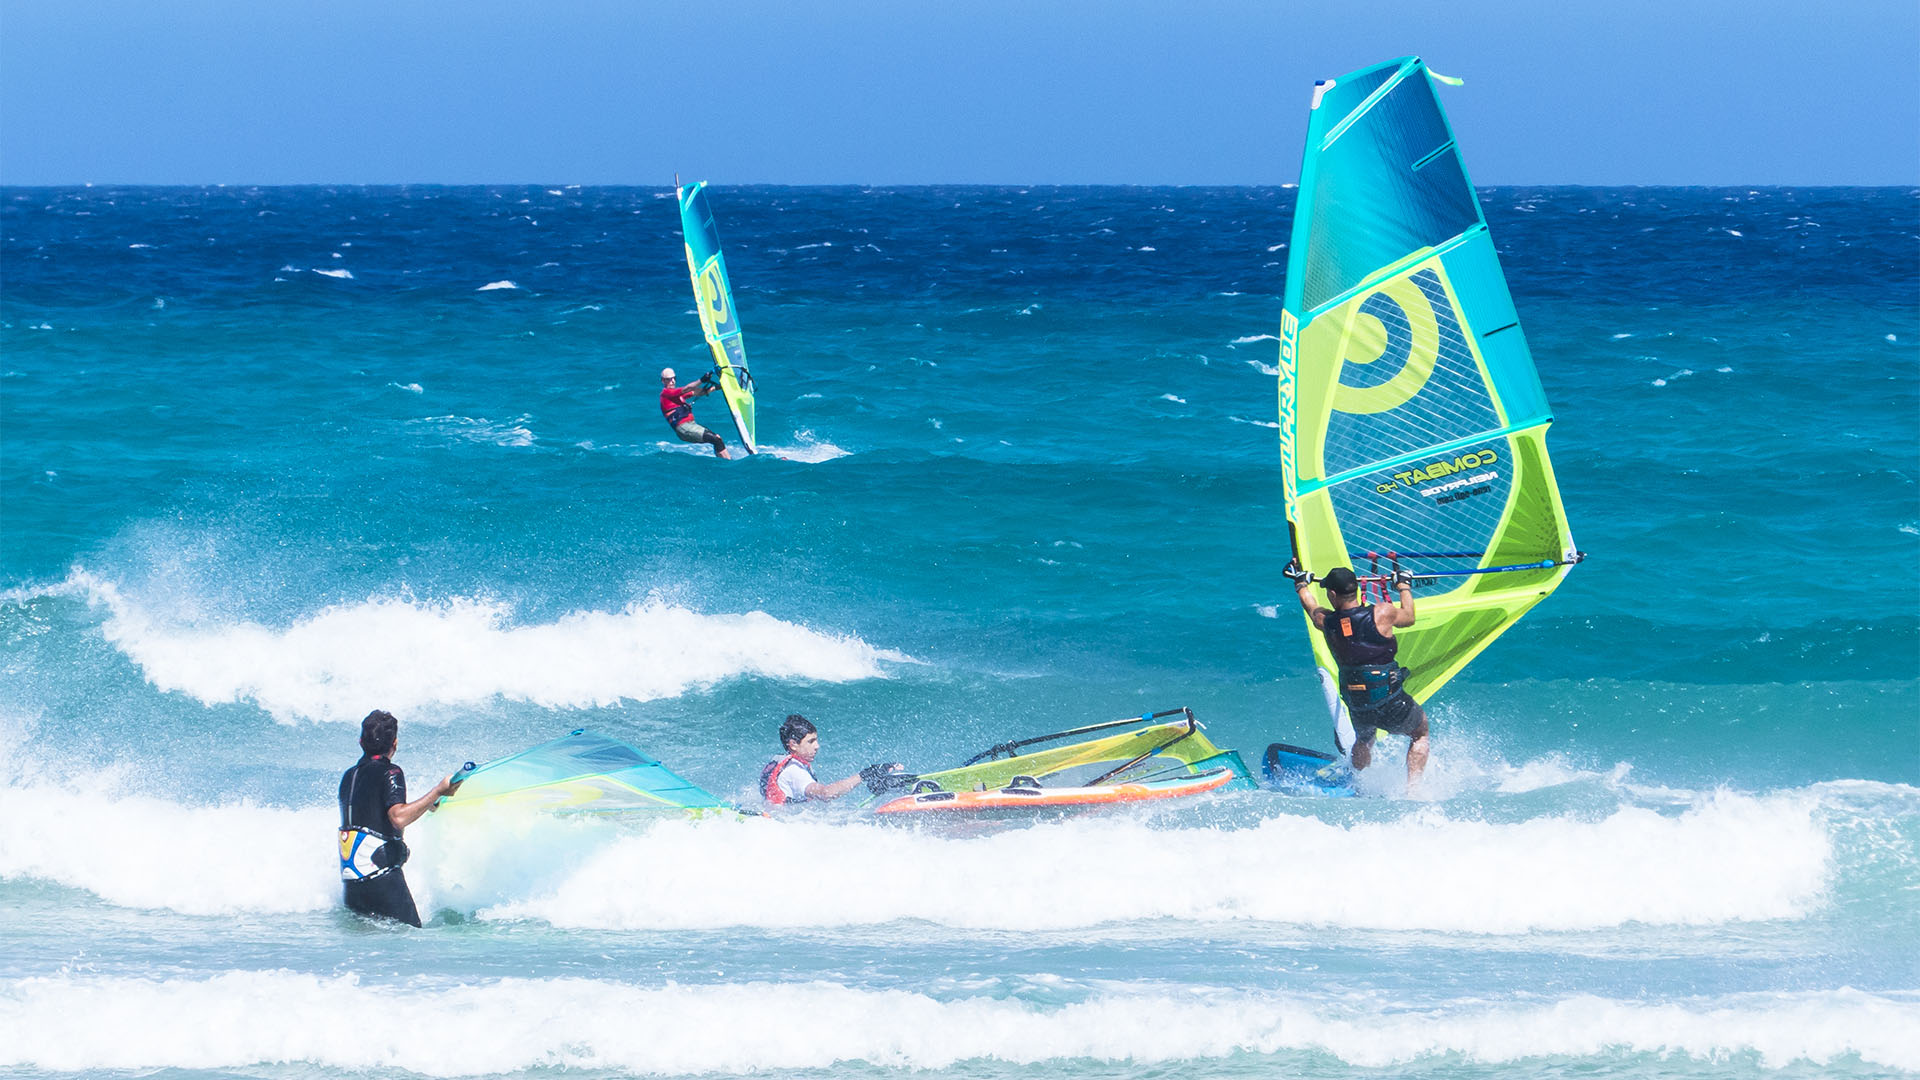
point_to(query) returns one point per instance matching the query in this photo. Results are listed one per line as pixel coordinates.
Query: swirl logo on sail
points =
(710, 285)
(1392, 342)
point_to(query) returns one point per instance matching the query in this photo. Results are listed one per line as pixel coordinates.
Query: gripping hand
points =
(1300, 578)
(886, 777)
(1402, 577)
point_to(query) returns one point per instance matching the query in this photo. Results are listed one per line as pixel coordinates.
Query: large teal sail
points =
(581, 772)
(1412, 422)
(719, 319)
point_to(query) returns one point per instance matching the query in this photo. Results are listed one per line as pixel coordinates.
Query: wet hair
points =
(378, 731)
(795, 728)
(1341, 581)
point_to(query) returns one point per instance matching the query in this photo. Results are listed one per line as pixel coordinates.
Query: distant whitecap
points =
(1255, 423)
(1144, 249)
(343, 274)
(1253, 338)
(492, 285)
(1170, 397)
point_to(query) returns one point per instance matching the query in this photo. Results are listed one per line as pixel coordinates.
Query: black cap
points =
(1340, 580)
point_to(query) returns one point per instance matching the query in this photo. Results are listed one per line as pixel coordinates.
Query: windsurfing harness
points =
(367, 790)
(1369, 675)
(673, 405)
(770, 780)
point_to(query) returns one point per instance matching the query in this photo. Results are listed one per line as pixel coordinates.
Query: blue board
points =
(1299, 771)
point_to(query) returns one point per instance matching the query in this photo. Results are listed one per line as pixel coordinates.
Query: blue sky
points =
(866, 91)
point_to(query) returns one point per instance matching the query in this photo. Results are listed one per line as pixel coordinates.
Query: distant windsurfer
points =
(1361, 639)
(374, 811)
(789, 778)
(676, 406)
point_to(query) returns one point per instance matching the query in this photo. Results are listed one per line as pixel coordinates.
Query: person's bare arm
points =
(817, 790)
(405, 814)
(1400, 614)
(1303, 591)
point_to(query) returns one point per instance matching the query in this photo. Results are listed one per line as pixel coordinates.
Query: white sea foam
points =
(1267, 611)
(1172, 398)
(492, 285)
(1251, 338)
(1731, 858)
(341, 273)
(807, 449)
(410, 653)
(1727, 859)
(509, 433)
(433, 1028)
(129, 851)
(411, 388)
(1256, 423)
(1263, 367)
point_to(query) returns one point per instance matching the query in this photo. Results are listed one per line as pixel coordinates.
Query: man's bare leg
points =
(1417, 751)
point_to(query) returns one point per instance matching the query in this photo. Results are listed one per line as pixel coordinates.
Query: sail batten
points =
(1412, 422)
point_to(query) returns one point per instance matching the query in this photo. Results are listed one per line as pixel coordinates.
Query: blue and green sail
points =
(1412, 421)
(581, 772)
(719, 319)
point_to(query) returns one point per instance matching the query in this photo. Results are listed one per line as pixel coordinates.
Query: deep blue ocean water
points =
(270, 458)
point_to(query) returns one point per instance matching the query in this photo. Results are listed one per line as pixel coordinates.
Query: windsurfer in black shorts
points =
(1361, 639)
(373, 812)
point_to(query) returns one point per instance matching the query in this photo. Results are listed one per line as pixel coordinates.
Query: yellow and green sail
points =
(713, 295)
(1133, 750)
(1412, 422)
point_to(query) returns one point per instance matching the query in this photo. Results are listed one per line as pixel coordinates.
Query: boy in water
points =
(789, 779)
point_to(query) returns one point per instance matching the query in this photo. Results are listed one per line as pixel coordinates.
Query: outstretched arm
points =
(1401, 614)
(817, 790)
(405, 814)
(1303, 591)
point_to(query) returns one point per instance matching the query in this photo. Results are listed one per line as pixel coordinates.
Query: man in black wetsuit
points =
(373, 812)
(1361, 639)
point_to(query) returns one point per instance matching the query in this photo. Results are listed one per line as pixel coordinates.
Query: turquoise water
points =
(270, 458)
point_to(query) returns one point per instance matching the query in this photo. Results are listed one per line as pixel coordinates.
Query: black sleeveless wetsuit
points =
(367, 792)
(1370, 677)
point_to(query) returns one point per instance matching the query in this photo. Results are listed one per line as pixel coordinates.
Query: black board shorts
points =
(1396, 715)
